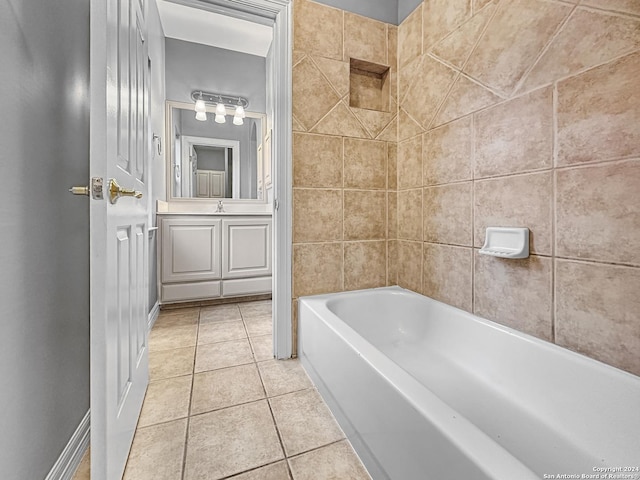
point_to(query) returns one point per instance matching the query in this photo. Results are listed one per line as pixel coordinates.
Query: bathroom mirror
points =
(211, 161)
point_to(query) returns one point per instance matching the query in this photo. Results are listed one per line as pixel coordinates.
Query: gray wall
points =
(44, 231)
(384, 10)
(210, 158)
(405, 7)
(390, 11)
(191, 66)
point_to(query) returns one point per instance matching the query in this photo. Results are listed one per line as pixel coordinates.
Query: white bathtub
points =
(427, 391)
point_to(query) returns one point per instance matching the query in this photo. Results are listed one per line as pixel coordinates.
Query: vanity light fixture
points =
(221, 111)
(239, 115)
(200, 108)
(222, 103)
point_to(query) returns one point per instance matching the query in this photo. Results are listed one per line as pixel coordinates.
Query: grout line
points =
(473, 211)
(482, 33)
(275, 423)
(497, 93)
(193, 371)
(604, 11)
(429, 125)
(554, 237)
(554, 213)
(323, 446)
(239, 474)
(342, 32)
(415, 78)
(597, 262)
(598, 163)
(544, 50)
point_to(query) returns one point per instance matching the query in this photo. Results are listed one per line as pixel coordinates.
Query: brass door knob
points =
(116, 191)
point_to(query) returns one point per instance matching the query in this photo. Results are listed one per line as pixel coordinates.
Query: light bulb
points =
(237, 120)
(220, 109)
(200, 105)
(202, 116)
(240, 111)
(220, 118)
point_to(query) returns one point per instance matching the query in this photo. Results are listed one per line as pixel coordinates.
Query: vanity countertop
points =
(214, 214)
(195, 208)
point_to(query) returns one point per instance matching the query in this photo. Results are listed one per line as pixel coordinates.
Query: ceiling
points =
(209, 28)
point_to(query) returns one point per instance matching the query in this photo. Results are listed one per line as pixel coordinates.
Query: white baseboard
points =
(69, 459)
(153, 316)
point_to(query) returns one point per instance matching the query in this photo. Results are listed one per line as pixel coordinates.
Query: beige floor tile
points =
(230, 441)
(275, 471)
(157, 452)
(166, 400)
(220, 313)
(83, 472)
(262, 346)
(256, 309)
(221, 332)
(259, 325)
(223, 354)
(304, 421)
(168, 338)
(171, 363)
(226, 387)
(178, 317)
(337, 461)
(283, 376)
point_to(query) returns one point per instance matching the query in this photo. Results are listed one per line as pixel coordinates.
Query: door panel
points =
(119, 231)
(123, 306)
(123, 79)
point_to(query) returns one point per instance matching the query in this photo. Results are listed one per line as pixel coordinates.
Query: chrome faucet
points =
(220, 208)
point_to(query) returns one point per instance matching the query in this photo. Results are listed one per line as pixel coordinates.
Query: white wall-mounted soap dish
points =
(506, 242)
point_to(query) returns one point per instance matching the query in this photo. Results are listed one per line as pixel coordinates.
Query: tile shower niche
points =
(368, 85)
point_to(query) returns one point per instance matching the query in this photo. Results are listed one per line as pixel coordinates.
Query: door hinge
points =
(276, 205)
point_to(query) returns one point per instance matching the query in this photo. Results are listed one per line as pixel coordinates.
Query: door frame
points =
(278, 14)
(282, 180)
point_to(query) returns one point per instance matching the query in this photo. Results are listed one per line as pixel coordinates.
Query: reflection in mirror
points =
(213, 160)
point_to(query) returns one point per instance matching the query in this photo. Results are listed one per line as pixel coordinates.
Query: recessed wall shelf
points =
(368, 85)
(506, 242)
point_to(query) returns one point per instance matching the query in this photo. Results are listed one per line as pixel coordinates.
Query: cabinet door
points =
(202, 184)
(190, 249)
(246, 247)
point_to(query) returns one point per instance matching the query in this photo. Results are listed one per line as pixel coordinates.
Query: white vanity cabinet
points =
(207, 257)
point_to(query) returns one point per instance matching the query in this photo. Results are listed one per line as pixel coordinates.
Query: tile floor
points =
(219, 406)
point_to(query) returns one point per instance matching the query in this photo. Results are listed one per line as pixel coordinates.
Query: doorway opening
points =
(275, 14)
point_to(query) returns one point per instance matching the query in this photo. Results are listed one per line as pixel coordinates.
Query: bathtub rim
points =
(529, 338)
(502, 463)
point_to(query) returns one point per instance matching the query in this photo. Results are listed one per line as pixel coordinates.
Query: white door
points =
(119, 233)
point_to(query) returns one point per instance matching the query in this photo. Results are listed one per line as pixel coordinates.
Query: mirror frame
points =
(169, 106)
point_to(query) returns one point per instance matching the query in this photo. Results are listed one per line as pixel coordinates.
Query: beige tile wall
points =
(344, 158)
(524, 113)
